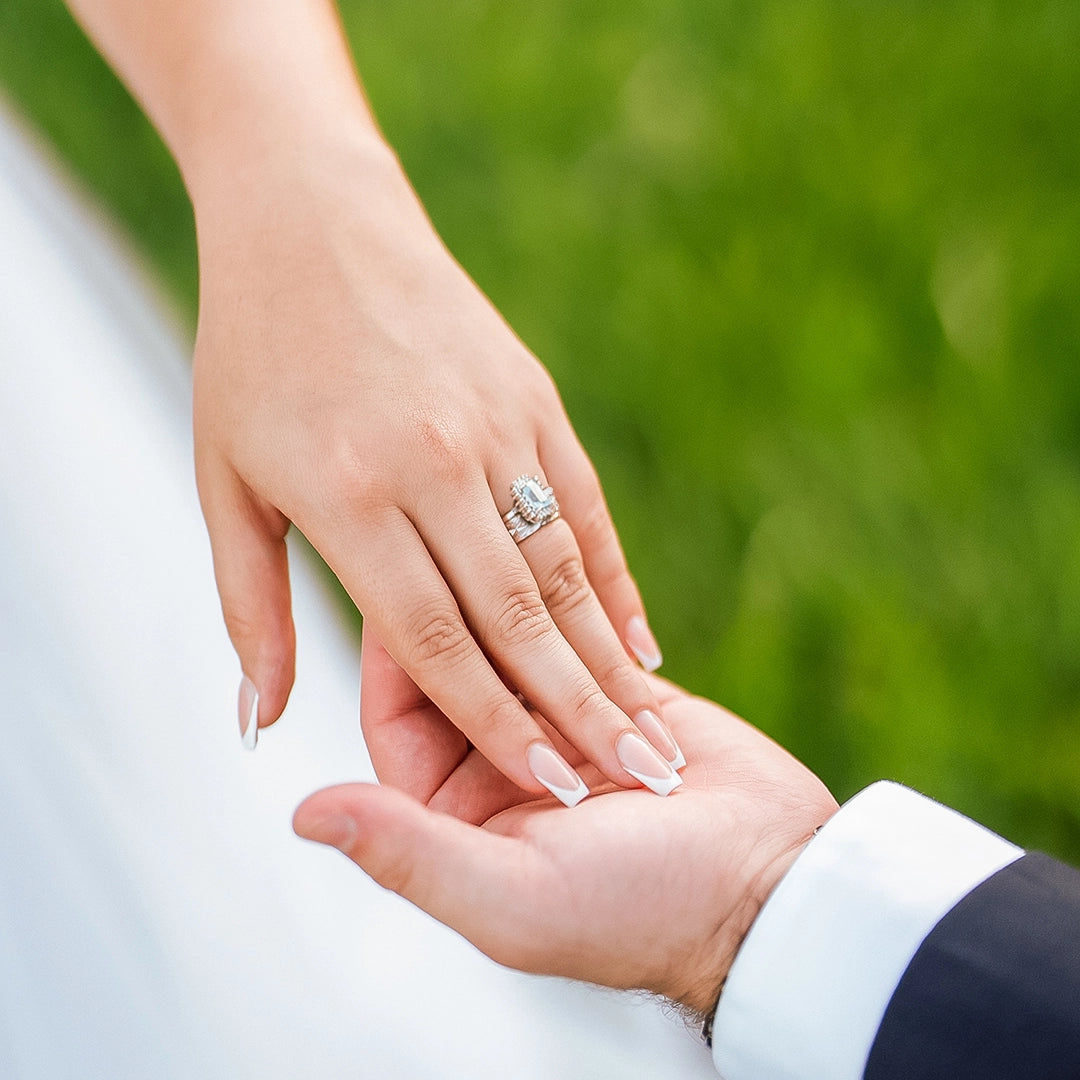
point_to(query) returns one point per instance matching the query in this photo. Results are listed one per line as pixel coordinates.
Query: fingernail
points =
(642, 643)
(555, 774)
(659, 734)
(334, 830)
(248, 708)
(643, 763)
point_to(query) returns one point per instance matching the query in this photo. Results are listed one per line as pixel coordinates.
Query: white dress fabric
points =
(158, 919)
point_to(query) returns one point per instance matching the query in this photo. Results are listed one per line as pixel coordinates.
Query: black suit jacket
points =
(994, 990)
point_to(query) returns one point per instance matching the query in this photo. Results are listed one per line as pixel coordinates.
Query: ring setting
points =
(534, 506)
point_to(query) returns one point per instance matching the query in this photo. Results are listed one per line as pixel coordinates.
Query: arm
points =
(902, 939)
(351, 379)
(994, 989)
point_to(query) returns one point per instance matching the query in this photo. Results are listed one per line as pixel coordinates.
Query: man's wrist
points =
(705, 989)
(848, 917)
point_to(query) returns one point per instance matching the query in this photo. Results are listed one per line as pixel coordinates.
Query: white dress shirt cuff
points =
(806, 994)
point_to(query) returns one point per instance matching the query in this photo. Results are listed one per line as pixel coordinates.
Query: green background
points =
(808, 276)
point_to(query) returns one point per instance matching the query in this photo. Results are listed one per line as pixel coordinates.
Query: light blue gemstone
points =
(533, 497)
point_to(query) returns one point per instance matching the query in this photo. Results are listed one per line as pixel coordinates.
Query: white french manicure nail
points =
(642, 643)
(659, 734)
(555, 774)
(643, 763)
(248, 709)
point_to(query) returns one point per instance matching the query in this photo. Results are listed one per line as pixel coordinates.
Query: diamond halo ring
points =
(534, 506)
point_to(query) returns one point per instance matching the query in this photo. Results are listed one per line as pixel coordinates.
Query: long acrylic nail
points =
(642, 643)
(248, 709)
(546, 764)
(643, 763)
(659, 734)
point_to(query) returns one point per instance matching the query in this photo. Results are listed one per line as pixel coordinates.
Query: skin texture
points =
(351, 379)
(621, 890)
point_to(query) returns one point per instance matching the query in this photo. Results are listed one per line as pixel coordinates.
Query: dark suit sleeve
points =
(994, 990)
(907, 942)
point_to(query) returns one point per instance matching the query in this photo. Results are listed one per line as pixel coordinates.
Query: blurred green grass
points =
(808, 276)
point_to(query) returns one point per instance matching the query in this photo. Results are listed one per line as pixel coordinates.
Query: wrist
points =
(260, 90)
(233, 85)
(840, 929)
(336, 200)
(706, 977)
(266, 172)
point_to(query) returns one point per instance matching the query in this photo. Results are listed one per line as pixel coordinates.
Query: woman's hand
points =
(350, 378)
(622, 891)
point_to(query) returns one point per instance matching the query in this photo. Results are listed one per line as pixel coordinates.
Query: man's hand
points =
(621, 890)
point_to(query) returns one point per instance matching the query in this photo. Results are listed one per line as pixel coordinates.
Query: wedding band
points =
(534, 506)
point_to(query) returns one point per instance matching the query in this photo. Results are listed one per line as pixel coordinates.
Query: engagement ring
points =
(534, 506)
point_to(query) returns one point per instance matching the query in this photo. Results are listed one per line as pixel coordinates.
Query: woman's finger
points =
(251, 566)
(416, 749)
(582, 504)
(502, 603)
(556, 563)
(388, 572)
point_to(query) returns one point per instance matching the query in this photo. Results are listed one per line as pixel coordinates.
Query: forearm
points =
(237, 87)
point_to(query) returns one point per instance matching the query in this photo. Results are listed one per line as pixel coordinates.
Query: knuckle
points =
(595, 534)
(594, 526)
(502, 718)
(608, 577)
(243, 630)
(354, 477)
(567, 588)
(541, 386)
(618, 674)
(266, 648)
(442, 443)
(521, 616)
(437, 636)
(398, 873)
(589, 701)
